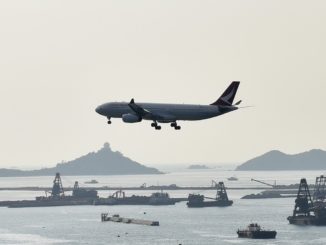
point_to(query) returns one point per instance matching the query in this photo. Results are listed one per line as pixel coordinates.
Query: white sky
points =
(60, 59)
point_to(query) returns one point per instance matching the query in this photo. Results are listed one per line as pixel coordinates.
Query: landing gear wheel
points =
(177, 127)
(109, 122)
(174, 124)
(158, 127)
(153, 124)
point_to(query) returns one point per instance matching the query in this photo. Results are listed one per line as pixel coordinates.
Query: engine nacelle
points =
(131, 118)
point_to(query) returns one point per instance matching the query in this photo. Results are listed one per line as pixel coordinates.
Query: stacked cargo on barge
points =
(221, 199)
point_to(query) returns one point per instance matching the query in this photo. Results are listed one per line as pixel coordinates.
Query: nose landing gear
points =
(109, 120)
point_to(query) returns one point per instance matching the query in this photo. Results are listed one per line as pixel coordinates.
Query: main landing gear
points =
(109, 120)
(158, 127)
(175, 126)
(155, 125)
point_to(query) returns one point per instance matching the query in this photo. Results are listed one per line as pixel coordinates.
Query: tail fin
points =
(227, 97)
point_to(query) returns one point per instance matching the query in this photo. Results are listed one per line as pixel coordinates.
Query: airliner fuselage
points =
(169, 113)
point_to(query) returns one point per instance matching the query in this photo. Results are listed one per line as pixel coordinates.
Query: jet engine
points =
(131, 118)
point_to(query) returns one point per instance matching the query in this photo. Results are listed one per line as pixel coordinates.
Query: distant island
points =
(103, 162)
(198, 166)
(276, 160)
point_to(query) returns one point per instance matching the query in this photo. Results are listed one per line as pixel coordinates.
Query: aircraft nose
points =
(99, 110)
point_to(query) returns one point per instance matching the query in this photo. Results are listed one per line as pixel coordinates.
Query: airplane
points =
(133, 112)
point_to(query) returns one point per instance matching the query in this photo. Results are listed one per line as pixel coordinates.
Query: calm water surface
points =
(178, 224)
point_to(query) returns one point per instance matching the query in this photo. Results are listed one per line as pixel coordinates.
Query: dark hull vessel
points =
(307, 210)
(221, 200)
(257, 234)
(80, 196)
(254, 231)
(119, 198)
(219, 203)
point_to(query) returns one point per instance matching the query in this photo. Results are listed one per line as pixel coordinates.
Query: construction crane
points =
(118, 194)
(320, 189)
(57, 189)
(264, 183)
(214, 183)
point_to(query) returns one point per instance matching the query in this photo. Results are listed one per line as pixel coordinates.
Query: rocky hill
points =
(276, 160)
(103, 162)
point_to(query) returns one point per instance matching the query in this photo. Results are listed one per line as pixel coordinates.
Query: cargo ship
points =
(254, 231)
(221, 199)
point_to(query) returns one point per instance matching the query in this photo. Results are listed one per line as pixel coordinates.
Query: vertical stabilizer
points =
(227, 97)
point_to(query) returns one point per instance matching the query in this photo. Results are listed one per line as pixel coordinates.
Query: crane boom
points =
(264, 183)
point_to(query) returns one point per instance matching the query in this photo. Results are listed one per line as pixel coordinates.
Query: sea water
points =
(178, 224)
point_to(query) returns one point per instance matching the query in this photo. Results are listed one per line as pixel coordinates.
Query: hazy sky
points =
(60, 59)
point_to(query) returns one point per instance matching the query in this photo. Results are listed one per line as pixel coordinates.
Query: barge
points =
(221, 199)
(254, 231)
(118, 219)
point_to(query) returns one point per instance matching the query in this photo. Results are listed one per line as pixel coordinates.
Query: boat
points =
(120, 198)
(80, 196)
(307, 210)
(160, 198)
(93, 181)
(254, 231)
(221, 199)
(233, 178)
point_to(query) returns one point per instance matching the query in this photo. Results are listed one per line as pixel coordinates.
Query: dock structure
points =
(118, 219)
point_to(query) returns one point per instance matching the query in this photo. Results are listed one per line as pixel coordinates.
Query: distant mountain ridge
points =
(277, 160)
(103, 162)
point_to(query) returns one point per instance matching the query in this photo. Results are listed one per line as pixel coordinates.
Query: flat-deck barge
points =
(118, 219)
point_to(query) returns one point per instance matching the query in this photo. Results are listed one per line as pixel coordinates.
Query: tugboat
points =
(221, 200)
(254, 231)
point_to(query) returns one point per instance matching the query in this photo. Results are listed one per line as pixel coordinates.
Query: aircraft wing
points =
(140, 111)
(144, 113)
